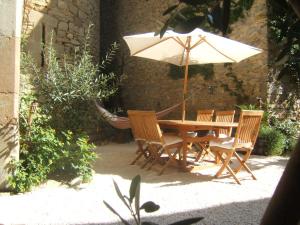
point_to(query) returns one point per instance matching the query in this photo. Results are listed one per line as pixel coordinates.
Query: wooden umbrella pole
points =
(188, 45)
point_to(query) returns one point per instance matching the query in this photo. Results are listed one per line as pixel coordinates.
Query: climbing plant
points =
(211, 15)
(285, 36)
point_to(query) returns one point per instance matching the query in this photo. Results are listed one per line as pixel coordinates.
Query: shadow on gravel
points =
(238, 213)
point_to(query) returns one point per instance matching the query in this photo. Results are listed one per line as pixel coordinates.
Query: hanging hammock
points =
(123, 122)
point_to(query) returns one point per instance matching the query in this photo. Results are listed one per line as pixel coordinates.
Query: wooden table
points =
(183, 126)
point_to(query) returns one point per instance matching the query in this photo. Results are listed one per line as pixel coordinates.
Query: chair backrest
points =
(225, 116)
(205, 115)
(137, 124)
(146, 126)
(248, 127)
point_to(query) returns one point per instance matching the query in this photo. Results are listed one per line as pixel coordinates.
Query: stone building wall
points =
(148, 84)
(68, 19)
(10, 38)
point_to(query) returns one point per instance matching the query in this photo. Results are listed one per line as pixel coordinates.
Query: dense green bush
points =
(290, 130)
(67, 88)
(54, 109)
(273, 139)
(273, 128)
(43, 152)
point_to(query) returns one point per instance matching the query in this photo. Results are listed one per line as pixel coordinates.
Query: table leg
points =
(184, 166)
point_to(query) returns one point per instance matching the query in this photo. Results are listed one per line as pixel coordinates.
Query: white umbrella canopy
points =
(196, 47)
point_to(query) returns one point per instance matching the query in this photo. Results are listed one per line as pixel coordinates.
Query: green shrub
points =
(274, 140)
(43, 152)
(290, 130)
(77, 156)
(66, 88)
(52, 140)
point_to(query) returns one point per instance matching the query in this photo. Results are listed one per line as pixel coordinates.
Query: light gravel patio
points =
(180, 195)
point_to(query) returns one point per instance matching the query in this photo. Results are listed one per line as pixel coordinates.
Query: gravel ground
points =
(180, 195)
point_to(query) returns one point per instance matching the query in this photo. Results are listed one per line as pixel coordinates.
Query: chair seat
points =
(191, 134)
(227, 143)
(171, 139)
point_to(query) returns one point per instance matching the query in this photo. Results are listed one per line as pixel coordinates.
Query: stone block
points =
(11, 18)
(9, 104)
(35, 17)
(61, 34)
(9, 149)
(82, 15)
(73, 9)
(63, 26)
(50, 21)
(10, 64)
(62, 4)
(70, 36)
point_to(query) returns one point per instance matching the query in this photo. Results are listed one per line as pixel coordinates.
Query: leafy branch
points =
(132, 203)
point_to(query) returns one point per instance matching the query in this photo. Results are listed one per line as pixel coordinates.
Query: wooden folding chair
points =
(225, 116)
(244, 140)
(137, 129)
(159, 143)
(203, 115)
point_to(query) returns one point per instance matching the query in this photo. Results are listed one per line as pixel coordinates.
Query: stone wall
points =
(10, 33)
(148, 84)
(68, 19)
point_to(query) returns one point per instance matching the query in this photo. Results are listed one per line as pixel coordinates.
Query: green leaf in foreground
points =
(120, 194)
(114, 211)
(133, 187)
(150, 207)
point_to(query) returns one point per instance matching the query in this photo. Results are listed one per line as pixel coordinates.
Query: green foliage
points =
(211, 15)
(53, 110)
(289, 129)
(69, 88)
(44, 152)
(274, 140)
(132, 203)
(285, 29)
(207, 71)
(279, 136)
(238, 91)
(76, 156)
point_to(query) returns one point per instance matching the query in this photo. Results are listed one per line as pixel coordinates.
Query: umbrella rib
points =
(178, 40)
(202, 39)
(184, 49)
(219, 51)
(150, 46)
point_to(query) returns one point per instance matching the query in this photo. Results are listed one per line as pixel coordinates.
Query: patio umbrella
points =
(196, 47)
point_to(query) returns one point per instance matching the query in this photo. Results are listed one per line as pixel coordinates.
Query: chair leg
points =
(224, 161)
(233, 174)
(172, 158)
(156, 153)
(243, 163)
(226, 165)
(137, 158)
(201, 154)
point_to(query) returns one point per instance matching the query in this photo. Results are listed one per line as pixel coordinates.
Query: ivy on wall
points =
(238, 91)
(207, 71)
(214, 16)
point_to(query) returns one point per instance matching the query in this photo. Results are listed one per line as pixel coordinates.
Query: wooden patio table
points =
(184, 126)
